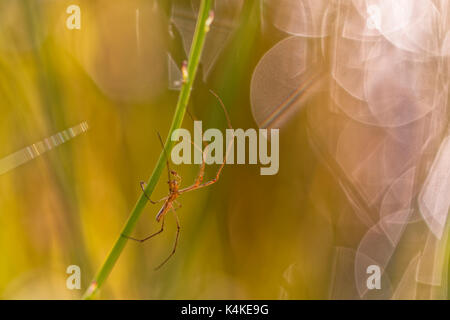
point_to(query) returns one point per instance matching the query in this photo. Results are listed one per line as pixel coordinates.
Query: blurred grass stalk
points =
(202, 27)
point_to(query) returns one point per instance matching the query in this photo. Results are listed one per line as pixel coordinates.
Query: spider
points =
(174, 182)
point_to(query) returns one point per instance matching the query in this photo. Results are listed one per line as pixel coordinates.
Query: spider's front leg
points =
(198, 182)
(176, 175)
(153, 202)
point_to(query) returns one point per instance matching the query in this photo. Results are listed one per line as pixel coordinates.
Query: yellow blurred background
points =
(248, 236)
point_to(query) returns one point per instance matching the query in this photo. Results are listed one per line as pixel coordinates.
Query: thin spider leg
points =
(227, 116)
(176, 241)
(200, 175)
(201, 172)
(149, 237)
(223, 108)
(175, 174)
(178, 204)
(169, 171)
(193, 118)
(199, 179)
(165, 155)
(198, 184)
(168, 174)
(153, 202)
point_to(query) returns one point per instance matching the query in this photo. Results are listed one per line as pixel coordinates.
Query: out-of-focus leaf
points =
(285, 77)
(226, 14)
(434, 199)
(307, 18)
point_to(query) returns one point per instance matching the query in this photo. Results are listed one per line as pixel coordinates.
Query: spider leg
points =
(199, 178)
(196, 185)
(178, 204)
(149, 237)
(201, 172)
(153, 202)
(176, 175)
(176, 241)
(198, 182)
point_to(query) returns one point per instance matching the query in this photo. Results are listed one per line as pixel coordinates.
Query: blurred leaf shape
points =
(433, 264)
(410, 25)
(307, 18)
(348, 285)
(283, 80)
(175, 75)
(226, 12)
(383, 116)
(434, 198)
(384, 86)
(379, 243)
(407, 287)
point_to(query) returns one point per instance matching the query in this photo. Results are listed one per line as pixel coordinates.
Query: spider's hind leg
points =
(176, 240)
(150, 236)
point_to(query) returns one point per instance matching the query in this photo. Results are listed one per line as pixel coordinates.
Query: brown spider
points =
(174, 181)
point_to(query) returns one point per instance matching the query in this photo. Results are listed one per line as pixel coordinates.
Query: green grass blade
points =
(198, 41)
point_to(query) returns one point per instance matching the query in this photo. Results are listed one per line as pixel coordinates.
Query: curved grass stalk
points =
(203, 22)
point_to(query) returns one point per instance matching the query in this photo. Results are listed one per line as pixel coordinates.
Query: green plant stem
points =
(201, 30)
